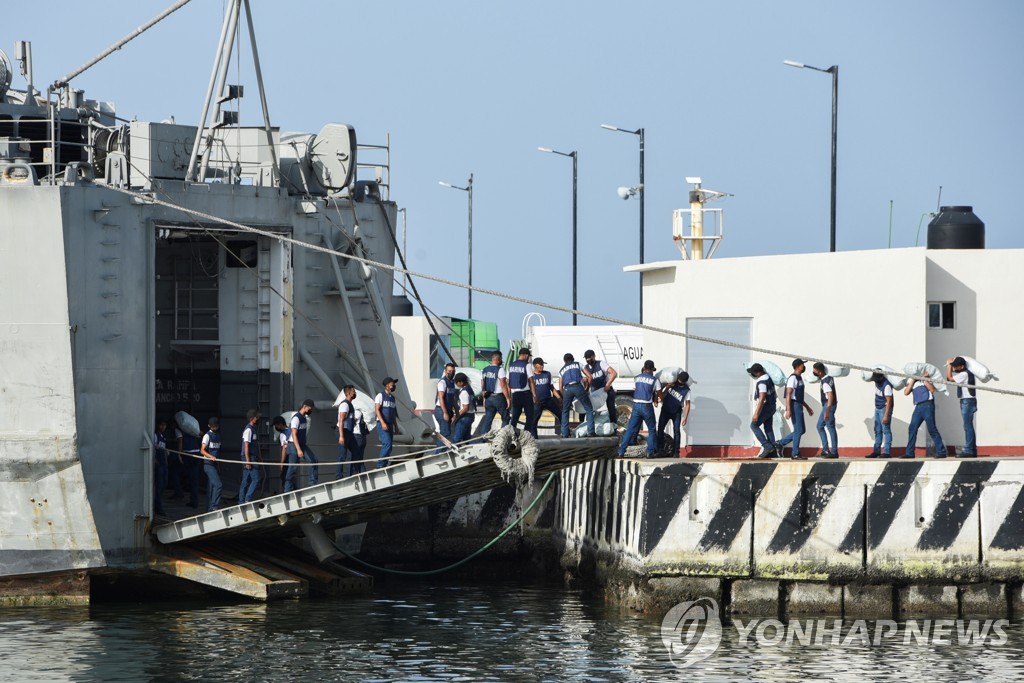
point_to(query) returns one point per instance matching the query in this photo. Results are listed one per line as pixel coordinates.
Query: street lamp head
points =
(607, 127)
(544, 149)
(790, 62)
(444, 184)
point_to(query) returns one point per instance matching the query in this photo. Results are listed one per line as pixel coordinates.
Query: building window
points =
(941, 315)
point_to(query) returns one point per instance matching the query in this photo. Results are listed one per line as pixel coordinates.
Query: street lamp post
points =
(468, 189)
(574, 157)
(639, 132)
(834, 70)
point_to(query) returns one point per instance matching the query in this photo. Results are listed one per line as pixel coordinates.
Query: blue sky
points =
(930, 94)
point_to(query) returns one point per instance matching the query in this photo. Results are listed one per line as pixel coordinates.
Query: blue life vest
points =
(388, 407)
(920, 393)
(673, 398)
(880, 393)
(350, 422)
(249, 437)
(570, 374)
(490, 375)
(970, 390)
(451, 394)
(300, 430)
(643, 389)
(214, 446)
(831, 381)
(770, 396)
(160, 444)
(518, 375)
(798, 390)
(542, 385)
(598, 377)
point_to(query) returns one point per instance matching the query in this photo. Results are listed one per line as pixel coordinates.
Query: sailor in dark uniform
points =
(519, 373)
(602, 376)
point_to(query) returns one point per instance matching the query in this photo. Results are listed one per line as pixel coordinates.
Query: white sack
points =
(897, 382)
(773, 371)
(187, 424)
(931, 372)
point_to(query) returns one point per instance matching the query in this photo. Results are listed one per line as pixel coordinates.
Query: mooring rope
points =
(533, 302)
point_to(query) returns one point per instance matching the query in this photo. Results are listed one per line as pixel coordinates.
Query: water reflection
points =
(446, 632)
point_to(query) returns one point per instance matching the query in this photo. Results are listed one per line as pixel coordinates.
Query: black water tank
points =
(956, 227)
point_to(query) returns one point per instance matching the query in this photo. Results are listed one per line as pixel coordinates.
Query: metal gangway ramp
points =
(430, 479)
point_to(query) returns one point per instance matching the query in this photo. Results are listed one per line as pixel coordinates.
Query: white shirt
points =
(295, 424)
(283, 438)
(791, 383)
(464, 400)
(342, 411)
(961, 378)
(357, 417)
(826, 388)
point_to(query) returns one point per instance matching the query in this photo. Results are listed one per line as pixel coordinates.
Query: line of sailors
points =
(525, 391)
(180, 470)
(923, 393)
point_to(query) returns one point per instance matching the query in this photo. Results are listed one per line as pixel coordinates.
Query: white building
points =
(890, 307)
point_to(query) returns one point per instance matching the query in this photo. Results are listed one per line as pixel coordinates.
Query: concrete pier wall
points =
(803, 536)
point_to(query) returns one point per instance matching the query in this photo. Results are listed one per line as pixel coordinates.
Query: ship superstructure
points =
(120, 308)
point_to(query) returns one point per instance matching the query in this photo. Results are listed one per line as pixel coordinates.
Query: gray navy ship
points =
(131, 291)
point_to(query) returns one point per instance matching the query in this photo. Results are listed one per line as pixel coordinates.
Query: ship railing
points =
(378, 169)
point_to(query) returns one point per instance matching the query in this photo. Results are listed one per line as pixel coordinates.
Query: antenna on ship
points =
(697, 245)
(219, 92)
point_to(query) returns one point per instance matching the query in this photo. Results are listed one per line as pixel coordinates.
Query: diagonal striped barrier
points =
(836, 520)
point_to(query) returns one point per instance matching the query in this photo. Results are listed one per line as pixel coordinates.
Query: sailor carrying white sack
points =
(958, 373)
(601, 377)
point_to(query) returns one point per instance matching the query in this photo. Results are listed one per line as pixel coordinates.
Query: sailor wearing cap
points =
(924, 411)
(545, 396)
(827, 419)
(601, 377)
(297, 448)
(346, 435)
(575, 380)
(496, 394)
(795, 407)
(883, 416)
(675, 408)
(251, 454)
(210, 450)
(445, 404)
(519, 373)
(387, 417)
(957, 372)
(646, 395)
(764, 411)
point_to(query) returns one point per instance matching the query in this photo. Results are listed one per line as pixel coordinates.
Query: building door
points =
(720, 405)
